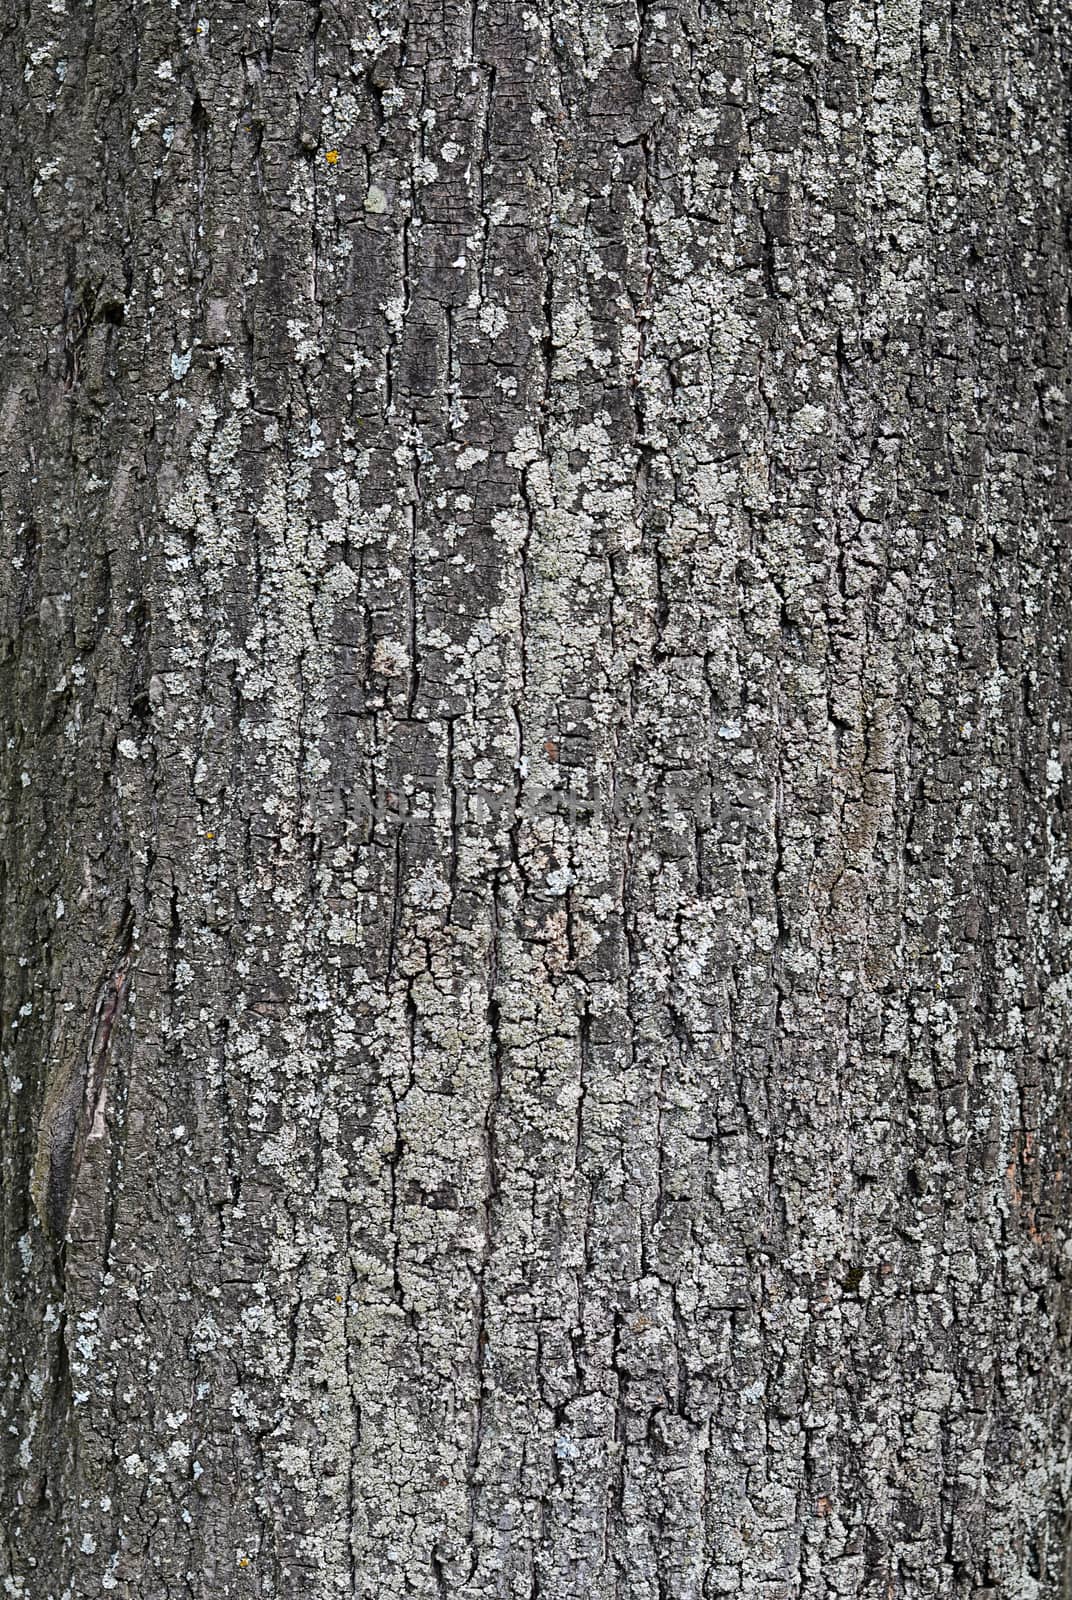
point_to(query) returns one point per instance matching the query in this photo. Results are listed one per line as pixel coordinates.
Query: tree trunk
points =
(538, 753)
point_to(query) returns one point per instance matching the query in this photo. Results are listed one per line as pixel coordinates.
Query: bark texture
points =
(536, 686)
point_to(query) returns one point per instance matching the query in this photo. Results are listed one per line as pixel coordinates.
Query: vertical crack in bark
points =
(74, 1109)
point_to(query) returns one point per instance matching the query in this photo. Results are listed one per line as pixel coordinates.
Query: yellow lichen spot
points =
(243, 1561)
(331, 156)
(210, 835)
(338, 1299)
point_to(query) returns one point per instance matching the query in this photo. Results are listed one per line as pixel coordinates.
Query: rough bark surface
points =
(536, 688)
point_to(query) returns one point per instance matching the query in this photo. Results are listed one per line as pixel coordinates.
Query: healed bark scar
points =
(74, 1102)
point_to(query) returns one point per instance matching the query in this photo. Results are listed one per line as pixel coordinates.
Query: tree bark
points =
(536, 682)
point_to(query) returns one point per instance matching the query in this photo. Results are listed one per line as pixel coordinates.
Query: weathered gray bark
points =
(535, 992)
